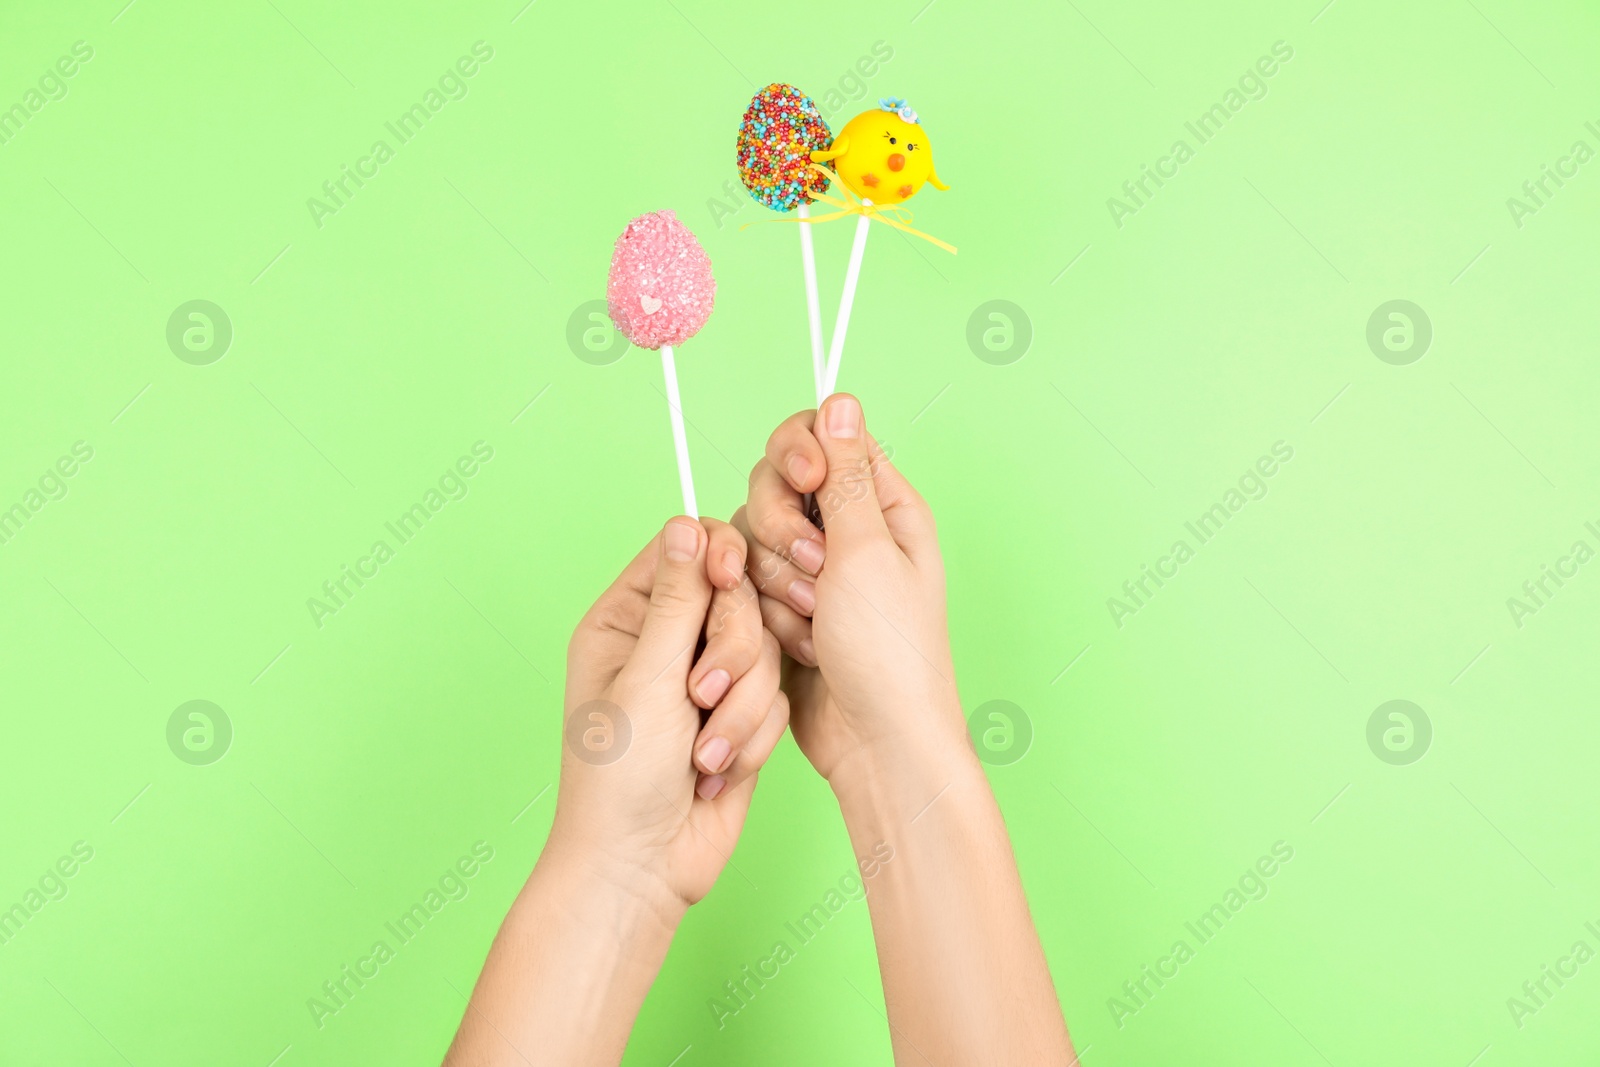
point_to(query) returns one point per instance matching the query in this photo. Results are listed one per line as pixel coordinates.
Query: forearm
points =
(964, 977)
(570, 966)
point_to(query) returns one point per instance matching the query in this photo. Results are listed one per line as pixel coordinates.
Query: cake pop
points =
(883, 155)
(781, 129)
(660, 293)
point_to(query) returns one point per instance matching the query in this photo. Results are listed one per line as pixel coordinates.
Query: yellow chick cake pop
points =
(883, 155)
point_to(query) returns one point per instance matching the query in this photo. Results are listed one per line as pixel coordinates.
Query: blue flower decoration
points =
(899, 106)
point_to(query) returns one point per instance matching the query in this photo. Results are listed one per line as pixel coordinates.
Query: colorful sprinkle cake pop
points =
(781, 128)
(883, 155)
(661, 290)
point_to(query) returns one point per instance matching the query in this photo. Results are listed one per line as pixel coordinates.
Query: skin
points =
(878, 716)
(636, 841)
(882, 157)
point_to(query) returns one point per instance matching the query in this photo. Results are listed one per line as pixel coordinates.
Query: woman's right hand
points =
(860, 609)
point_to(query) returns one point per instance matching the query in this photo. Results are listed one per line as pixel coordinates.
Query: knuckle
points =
(787, 432)
(766, 572)
(674, 597)
(739, 648)
(746, 719)
(730, 608)
(918, 511)
(778, 529)
(605, 614)
(849, 482)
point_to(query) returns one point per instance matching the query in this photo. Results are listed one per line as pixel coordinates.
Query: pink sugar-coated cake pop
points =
(661, 289)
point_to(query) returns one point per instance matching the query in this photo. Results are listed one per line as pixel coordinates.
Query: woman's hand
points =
(647, 792)
(650, 805)
(874, 615)
(861, 609)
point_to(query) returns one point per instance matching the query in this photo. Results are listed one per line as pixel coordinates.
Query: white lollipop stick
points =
(808, 261)
(680, 440)
(846, 299)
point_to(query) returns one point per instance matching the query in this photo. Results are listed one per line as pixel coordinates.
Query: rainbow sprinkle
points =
(781, 128)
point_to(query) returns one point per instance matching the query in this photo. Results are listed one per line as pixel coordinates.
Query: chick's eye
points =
(911, 147)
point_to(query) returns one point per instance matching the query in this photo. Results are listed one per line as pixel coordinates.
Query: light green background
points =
(1229, 313)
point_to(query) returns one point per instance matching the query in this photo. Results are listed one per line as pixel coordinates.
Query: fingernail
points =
(734, 566)
(809, 555)
(844, 418)
(682, 541)
(808, 652)
(714, 754)
(798, 467)
(710, 787)
(804, 595)
(713, 686)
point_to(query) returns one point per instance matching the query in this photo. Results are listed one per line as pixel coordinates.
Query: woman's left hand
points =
(648, 794)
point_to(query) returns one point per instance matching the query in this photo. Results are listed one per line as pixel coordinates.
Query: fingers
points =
(848, 498)
(604, 637)
(773, 573)
(737, 718)
(905, 513)
(733, 642)
(725, 555)
(792, 630)
(755, 754)
(775, 516)
(793, 451)
(679, 598)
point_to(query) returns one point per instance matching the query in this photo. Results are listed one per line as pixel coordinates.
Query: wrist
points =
(624, 886)
(576, 955)
(895, 779)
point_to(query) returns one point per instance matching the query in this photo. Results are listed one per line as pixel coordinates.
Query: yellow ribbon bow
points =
(854, 205)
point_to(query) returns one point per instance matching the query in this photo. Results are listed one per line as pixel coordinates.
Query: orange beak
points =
(897, 161)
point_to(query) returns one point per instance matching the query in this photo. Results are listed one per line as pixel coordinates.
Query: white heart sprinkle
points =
(650, 304)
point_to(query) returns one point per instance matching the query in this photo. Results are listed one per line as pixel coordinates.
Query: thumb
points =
(847, 499)
(679, 598)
